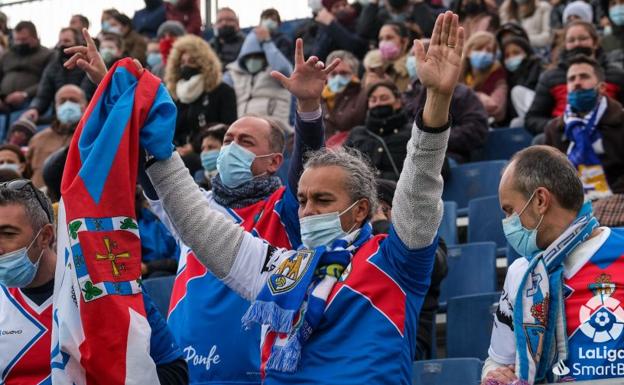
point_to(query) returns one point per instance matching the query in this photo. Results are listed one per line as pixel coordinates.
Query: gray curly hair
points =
(360, 181)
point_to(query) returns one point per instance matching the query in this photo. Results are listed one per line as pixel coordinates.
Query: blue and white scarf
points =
(585, 146)
(539, 315)
(292, 302)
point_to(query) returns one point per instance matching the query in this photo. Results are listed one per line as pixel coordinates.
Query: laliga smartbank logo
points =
(602, 317)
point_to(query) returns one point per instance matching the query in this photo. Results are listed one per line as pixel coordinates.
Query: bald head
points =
(70, 92)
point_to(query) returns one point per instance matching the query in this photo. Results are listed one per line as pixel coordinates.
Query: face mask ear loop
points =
(34, 239)
(347, 209)
(527, 204)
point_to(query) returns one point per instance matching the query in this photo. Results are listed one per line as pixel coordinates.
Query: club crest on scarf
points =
(106, 256)
(290, 271)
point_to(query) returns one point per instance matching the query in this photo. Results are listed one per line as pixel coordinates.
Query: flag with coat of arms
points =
(101, 335)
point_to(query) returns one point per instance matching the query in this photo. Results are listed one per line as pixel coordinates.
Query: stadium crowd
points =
(332, 142)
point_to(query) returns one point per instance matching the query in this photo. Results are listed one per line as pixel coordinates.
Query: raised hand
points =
(87, 59)
(308, 79)
(440, 66)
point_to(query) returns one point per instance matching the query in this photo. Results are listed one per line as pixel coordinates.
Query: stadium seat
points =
(159, 289)
(448, 226)
(450, 371)
(469, 321)
(3, 127)
(503, 143)
(471, 270)
(484, 222)
(512, 255)
(472, 180)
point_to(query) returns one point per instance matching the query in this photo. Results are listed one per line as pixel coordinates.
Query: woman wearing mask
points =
(12, 158)
(383, 138)
(484, 74)
(533, 15)
(193, 78)
(613, 43)
(393, 44)
(580, 38)
(523, 71)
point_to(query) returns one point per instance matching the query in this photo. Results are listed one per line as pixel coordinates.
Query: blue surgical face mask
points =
(583, 100)
(410, 63)
(234, 164)
(616, 14)
(154, 59)
(481, 60)
(16, 269)
(322, 229)
(69, 112)
(523, 240)
(209, 160)
(337, 83)
(513, 63)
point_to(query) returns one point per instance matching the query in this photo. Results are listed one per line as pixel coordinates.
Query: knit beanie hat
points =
(578, 8)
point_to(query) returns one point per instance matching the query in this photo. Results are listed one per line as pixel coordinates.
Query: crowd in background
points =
(514, 74)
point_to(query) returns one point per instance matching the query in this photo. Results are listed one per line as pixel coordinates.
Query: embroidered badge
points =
(290, 271)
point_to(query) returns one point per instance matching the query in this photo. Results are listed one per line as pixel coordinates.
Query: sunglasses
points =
(21, 184)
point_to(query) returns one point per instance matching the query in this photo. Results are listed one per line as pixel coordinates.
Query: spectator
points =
(542, 198)
(153, 57)
(336, 30)
(271, 20)
(533, 15)
(168, 32)
(134, 45)
(79, 22)
(228, 39)
(344, 98)
(12, 157)
(484, 74)
(577, 10)
(210, 141)
(106, 18)
(374, 68)
(193, 78)
(70, 103)
(386, 130)
(393, 45)
(27, 266)
(613, 44)
(523, 71)
(551, 91)
(476, 16)
(250, 76)
(147, 20)
(590, 130)
(186, 12)
(6, 35)
(309, 28)
(417, 17)
(111, 48)
(508, 30)
(21, 67)
(20, 132)
(56, 75)
(470, 121)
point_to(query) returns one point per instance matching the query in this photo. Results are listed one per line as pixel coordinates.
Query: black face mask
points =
(381, 112)
(587, 51)
(397, 4)
(473, 8)
(62, 56)
(187, 72)
(227, 32)
(22, 48)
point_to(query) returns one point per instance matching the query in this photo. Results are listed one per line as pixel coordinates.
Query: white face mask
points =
(189, 90)
(11, 166)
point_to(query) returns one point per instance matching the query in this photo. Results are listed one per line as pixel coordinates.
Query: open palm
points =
(309, 77)
(440, 66)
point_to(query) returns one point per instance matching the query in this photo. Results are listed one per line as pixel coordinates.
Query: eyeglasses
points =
(21, 184)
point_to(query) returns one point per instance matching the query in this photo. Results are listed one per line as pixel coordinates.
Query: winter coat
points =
(147, 20)
(227, 50)
(537, 25)
(186, 12)
(23, 72)
(349, 109)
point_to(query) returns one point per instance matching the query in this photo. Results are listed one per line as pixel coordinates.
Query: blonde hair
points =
(477, 39)
(202, 54)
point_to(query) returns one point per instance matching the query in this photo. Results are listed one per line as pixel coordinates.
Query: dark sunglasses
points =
(21, 184)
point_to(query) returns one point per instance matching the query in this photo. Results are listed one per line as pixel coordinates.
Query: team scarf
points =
(293, 300)
(585, 145)
(539, 315)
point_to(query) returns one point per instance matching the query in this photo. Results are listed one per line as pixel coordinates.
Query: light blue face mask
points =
(410, 64)
(523, 240)
(209, 160)
(254, 65)
(234, 164)
(322, 229)
(153, 59)
(16, 269)
(513, 63)
(616, 14)
(269, 24)
(338, 83)
(69, 112)
(481, 60)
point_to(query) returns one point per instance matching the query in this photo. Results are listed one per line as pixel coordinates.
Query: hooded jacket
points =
(259, 93)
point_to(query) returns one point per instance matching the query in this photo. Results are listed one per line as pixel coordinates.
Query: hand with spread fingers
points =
(308, 79)
(440, 66)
